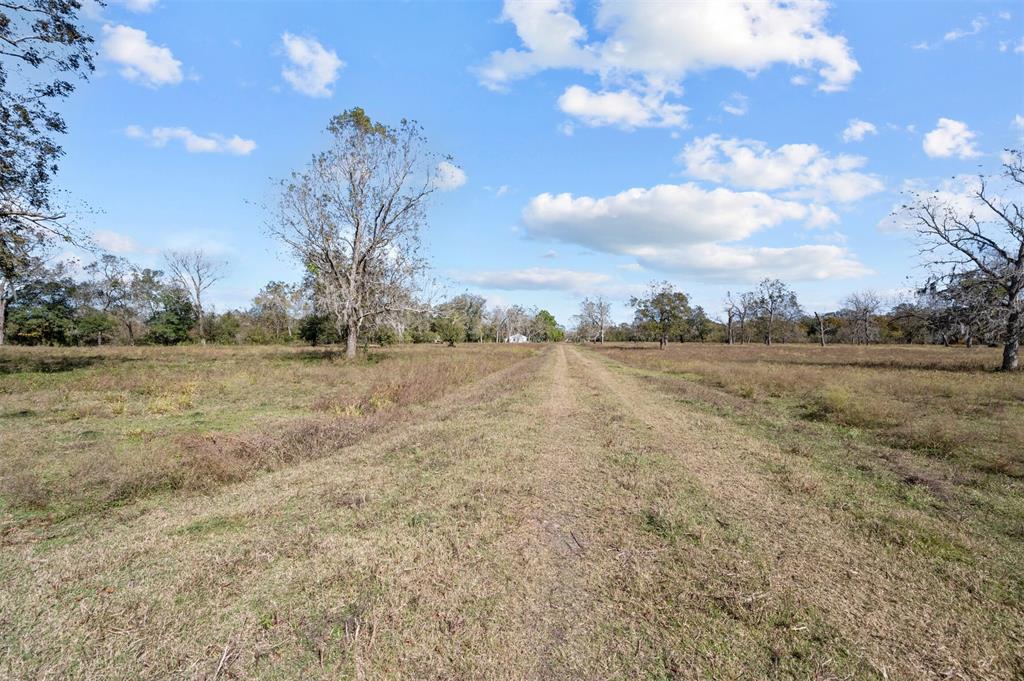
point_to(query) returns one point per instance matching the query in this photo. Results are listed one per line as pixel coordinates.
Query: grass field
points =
(511, 512)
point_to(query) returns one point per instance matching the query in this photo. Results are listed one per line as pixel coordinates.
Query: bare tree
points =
(819, 319)
(860, 309)
(774, 301)
(987, 242)
(731, 313)
(593, 318)
(745, 307)
(353, 218)
(195, 273)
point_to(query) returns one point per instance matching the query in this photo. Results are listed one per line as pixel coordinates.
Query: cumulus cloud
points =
(803, 170)
(193, 143)
(312, 68)
(645, 50)
(857, 129)
(688, 229)
(950, 138)
(664, 215)
(626, 109)
(140, 59)
(731, 263)
(449, 176)
(551, 36)
(536, 278)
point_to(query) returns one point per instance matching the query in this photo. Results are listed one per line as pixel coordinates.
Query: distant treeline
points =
(119, 303)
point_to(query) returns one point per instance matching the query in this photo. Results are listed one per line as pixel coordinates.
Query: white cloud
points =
(950, 138)
(664, 215)
(115, 242)
(689, 229)
(313, 67)
(857, 129)
(551, 35)
(140, 59)
(449, 176)
(804, 170)
(821, 216)
(977, 25)
(958, 193)
(138, 6)
(737, 104)
(567, 128)
(729, 263)
(536, 278)
(646, 50)
(626, 109)
(1017, 122)
(194, 144)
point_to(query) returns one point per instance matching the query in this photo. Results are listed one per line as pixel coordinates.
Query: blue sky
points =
(603, 145)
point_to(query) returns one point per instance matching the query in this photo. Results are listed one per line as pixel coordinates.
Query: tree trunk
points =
(821, 328)
(351, 343)
(3, 317)
(199, 322)
(663, 341)
(771, 318)
(1012, 346)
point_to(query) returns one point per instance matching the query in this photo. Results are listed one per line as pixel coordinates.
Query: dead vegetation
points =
(565, 516)
(946, 402)
(107, 427)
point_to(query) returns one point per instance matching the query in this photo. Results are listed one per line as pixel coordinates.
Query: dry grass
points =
(940, 401)
(87, 428)
(564, 516)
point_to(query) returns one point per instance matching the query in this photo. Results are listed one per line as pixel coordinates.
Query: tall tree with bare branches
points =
(593, 319)
(195, 272)
(774, 301)
(986, 241)
(860, 309)
(353, 218)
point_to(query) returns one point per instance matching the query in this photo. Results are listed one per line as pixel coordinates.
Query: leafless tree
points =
(731, 311)
(353, 218)
(860, 310)
(195, 273)
(773, 300)
(820, 320)
(593, 318)
(746, 306)
(986, 241)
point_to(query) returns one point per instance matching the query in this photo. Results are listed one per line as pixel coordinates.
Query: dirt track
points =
(564, 519)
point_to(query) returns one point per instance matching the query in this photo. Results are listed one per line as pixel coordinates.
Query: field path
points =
(563, 519)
